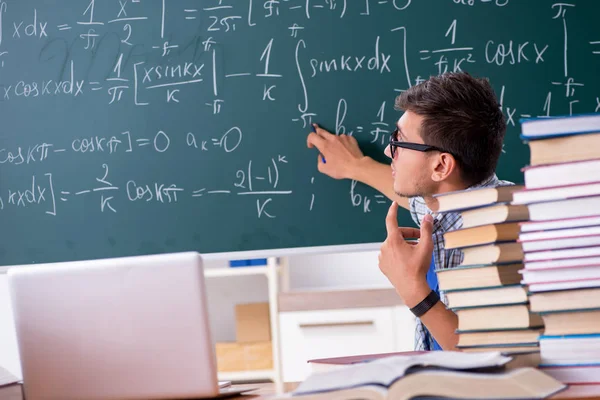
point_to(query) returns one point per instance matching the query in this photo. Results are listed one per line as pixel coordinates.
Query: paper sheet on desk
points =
(6, 378)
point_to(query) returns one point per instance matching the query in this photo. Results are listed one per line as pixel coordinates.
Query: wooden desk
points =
(582, 392)
(574, 392)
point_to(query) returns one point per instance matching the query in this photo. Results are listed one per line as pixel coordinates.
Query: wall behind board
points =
(134, 127)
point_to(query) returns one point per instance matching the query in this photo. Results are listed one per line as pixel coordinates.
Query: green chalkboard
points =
(147, 126)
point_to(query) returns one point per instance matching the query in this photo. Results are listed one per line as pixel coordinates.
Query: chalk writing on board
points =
(305, 116)
(379, 62)
(30, 28)
(162, 193)
(22, 155)
(262, 181)
(37, 191)
(358, 199)
(126, 54)
(380, 130)
(3, 8)
(340, 116)
(499, 3)
(312, 195)
(125, 142)
(514, 53)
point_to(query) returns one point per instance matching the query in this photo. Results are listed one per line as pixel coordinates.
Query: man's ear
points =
(443, 166)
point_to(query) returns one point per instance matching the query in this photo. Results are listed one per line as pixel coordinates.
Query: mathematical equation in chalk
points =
(125, 55)
(259, 182)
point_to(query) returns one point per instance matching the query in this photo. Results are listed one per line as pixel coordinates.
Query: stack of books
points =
(561, 242)
(485, 290)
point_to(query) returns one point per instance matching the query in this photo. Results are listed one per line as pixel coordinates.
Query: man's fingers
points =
(426, 241)
(314, 140)
(409, 233)
(323, 133)
(391, 220)
(320, 163)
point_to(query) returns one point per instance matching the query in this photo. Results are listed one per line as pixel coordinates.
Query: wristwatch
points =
(426, 304)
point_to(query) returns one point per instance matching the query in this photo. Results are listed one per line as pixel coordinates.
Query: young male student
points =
(449, 138)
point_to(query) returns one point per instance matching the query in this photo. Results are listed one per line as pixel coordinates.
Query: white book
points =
(572, 208)
(570, 350)
(567, 285)
(569, 262)
(571, 173)
(563, 223)
(529, 196)
(560, 275)
(562, 243)
(562, 254)
(560, 233)
(387, 370)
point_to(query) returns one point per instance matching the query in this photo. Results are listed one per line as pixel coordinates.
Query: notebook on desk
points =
(122, 328)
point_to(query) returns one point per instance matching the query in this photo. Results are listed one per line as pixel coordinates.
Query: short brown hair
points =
(461, 115)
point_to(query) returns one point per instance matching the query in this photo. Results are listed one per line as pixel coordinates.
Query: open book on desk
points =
(518, 359)
(434, 374)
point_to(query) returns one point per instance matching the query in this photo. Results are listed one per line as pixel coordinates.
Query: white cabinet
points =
(307, 335)
(405, 322)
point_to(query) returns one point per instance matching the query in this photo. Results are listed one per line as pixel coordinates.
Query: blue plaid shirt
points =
(442, 223)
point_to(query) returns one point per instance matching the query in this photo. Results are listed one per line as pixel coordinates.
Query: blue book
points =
(575, 336)
(573, 350)
(558, 126)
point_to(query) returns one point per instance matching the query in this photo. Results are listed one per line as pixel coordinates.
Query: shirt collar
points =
(437, 217)
(491, 181)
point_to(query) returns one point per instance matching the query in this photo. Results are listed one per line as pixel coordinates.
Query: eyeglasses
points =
(394, 142)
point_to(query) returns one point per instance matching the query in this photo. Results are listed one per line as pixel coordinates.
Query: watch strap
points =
(426, 304)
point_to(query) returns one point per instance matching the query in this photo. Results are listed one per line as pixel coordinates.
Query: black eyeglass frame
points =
(413, 146)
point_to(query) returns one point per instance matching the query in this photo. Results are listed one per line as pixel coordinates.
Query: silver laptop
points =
(120, 328)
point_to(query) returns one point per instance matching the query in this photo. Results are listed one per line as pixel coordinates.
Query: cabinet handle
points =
(337, 324)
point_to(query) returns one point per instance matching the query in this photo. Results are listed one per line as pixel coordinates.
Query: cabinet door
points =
(405, 322)
(308, 335)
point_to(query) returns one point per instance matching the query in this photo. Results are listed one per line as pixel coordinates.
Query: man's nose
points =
(388, 151)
